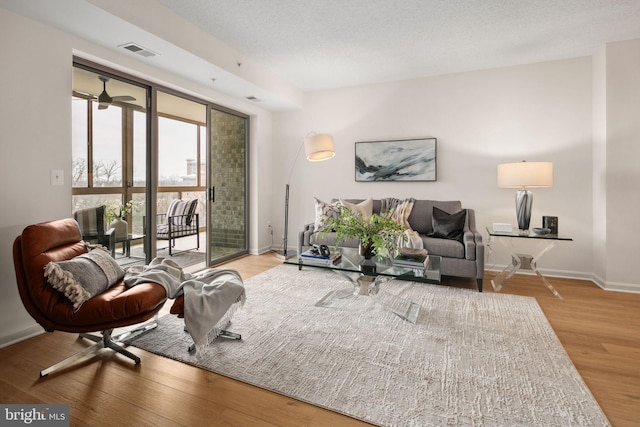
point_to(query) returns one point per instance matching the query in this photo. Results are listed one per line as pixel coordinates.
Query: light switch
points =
(57, 177)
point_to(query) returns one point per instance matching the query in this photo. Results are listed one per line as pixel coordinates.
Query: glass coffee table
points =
(367, 275)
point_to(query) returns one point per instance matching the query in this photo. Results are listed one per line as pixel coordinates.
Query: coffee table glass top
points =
(351, 261)
(366, 277)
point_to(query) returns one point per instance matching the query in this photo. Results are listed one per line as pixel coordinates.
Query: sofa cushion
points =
(443, 247)
(176, 231)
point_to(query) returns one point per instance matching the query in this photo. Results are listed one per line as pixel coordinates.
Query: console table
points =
(546, 243)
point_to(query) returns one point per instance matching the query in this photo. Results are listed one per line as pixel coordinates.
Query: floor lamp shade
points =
(319, 147)
(525, 175)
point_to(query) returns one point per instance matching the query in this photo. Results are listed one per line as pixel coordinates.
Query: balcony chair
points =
(94, 228)
(181, 220)
(115, 307)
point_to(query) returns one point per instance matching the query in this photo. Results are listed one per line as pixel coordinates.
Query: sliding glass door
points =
(228, 189)
(137, 147)
(182, 142)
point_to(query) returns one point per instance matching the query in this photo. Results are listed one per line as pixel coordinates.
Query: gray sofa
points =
(460, 259)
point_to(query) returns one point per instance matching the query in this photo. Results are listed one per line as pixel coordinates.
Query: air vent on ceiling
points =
(136, 48)
(253, 98)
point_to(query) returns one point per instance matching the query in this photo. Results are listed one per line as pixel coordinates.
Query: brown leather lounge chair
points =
(116, 307)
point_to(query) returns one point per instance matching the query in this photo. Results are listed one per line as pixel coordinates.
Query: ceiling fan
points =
(104, 100)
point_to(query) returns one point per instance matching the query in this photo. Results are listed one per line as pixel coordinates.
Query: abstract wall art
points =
(396, 160)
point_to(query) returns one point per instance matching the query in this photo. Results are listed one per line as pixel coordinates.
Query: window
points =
(108, 144)
(106, 159)
(177, 153)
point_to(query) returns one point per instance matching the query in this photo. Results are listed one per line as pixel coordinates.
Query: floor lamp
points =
(318, 147)
(525, 175)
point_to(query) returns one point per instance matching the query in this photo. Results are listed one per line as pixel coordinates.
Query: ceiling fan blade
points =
(123, 98)
(83, 95)
(129, 105)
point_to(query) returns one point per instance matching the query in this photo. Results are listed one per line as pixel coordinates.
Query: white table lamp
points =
(525, 175)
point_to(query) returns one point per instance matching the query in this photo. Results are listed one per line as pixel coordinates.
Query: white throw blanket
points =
(399, 211)
(210, 298)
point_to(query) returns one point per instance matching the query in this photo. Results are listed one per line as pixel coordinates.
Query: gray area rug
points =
(471, 358)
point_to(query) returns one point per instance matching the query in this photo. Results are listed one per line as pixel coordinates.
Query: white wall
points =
(622, 167)
(35, 121)
(35, 137)
(538, 112)
(600, 165)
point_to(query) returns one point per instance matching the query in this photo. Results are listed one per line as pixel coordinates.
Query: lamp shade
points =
(319, 147)
(525, 175)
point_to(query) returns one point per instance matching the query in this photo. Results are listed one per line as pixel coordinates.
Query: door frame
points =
(210, 187)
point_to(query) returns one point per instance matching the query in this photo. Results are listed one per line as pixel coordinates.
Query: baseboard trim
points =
(21, 335)
(616, 286)
(578, 275)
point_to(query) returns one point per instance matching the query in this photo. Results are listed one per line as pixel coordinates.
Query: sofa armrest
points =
(304, 237)
(471, 238)
(473, 233)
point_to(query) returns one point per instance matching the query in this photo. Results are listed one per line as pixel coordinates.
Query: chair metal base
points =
(106, 340)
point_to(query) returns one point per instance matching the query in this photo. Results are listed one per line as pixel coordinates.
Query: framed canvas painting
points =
(396, 160)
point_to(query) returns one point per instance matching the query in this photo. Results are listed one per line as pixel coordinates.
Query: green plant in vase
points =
(379, 234)
(116, 210)
(116, 214)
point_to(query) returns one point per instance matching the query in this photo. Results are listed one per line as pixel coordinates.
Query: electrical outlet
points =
(57, 177)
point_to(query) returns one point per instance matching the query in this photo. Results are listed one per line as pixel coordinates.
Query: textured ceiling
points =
(321, 44)
(292, 46)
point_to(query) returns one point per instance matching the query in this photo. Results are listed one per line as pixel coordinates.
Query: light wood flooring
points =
(600, 331)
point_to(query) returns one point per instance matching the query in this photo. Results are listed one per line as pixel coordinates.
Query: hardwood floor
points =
(599, 330)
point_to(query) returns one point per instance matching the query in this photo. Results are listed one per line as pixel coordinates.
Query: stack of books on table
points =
(311, 257)
(412, 258)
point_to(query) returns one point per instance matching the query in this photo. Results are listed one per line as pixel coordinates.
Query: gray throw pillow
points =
(84, 276)
(448, 226)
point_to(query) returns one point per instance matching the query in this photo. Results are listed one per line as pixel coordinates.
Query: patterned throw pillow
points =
(190, 211)
(91, 220)
(182, 210)
(84, 276)
(325, 211)
(364, 208)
